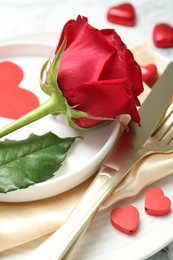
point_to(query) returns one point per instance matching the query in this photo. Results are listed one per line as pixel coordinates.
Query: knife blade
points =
(150, 115)
(63, 241)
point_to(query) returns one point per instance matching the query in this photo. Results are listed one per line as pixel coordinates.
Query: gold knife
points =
(114, 168)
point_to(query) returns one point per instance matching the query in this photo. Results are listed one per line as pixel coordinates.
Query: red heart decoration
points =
(156, 203)
(14, 101)
(123, 14)
(149, 74)
(125, 219)
(163, 35)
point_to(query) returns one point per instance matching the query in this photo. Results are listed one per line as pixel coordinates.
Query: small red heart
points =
(125, 219)
(149, 74)
(156, 203)
(123, 14)
(14, 101)
(163, 35)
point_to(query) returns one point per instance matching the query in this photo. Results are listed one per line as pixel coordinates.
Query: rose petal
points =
(87, 49)
(71, 30)
(94, 97)
(121, 65)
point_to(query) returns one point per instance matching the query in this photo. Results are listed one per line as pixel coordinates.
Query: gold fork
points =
(61, 243)
(161, 137)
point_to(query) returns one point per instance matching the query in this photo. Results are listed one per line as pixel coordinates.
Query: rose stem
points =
(45, 109)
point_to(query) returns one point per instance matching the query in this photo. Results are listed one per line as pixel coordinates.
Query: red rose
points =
(93, 77)
(97, 73)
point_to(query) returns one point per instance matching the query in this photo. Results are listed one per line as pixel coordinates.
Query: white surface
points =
(29, 16)
(85, 155)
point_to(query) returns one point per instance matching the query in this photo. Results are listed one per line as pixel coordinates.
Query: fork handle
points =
(57, 246)
(75, 243)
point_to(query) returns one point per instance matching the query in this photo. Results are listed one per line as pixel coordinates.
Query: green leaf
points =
(32, 160)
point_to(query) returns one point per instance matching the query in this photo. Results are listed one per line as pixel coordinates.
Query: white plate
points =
(102, 241)
(84, 157)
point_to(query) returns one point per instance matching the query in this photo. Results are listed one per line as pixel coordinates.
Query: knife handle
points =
(57, 246)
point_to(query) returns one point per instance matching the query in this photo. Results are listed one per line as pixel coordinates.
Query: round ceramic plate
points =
(85, 155)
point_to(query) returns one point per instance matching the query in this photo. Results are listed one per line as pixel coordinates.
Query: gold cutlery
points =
(130, 148)
(162, 133)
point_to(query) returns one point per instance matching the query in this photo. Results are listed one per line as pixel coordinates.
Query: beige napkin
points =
(24, 222)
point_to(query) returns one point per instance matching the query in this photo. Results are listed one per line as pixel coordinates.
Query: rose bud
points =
(92, 78)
